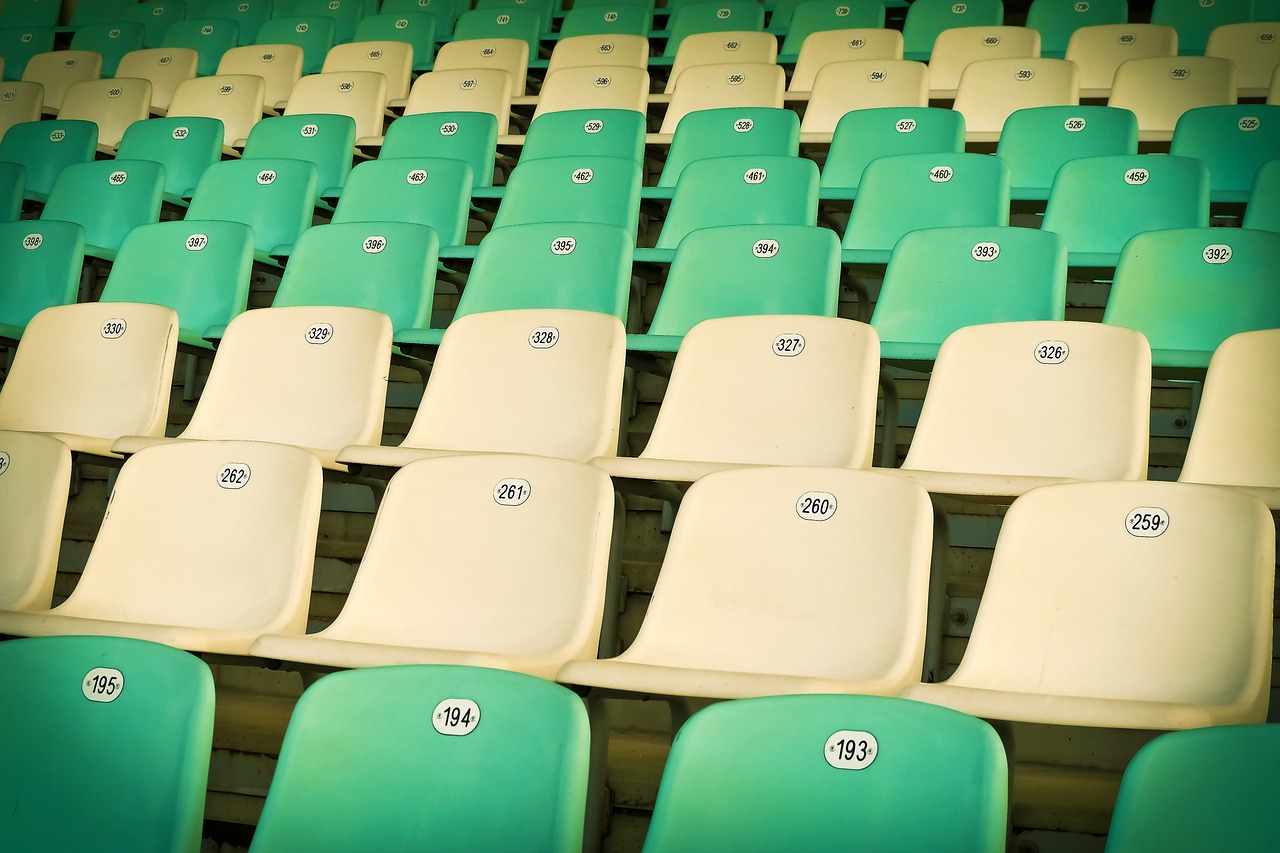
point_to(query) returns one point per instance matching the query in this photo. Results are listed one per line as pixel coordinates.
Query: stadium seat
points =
(41, 268)
(468, 136)
(156, 17)
(326, 140)
(730, 132)
(275, 197)
(19, 44)
(575, 189)
(13, 181)
(1195, 20)
(865, 134)
(35, 476)
(814, 16)
(519, 778)
(45, 148)
(20, 102)
(1134, 559)
(612, 20)
(108, 198)
(956, 48)
(1100, 49)
(65, 378)
(712, 17)
(1263, 209)
(483, 90)
(185, 146)
(329, 359)
(111, 104)
(346, 15)
(1057, 20)
(144, 709)
(815, 767)
(612, 49)
(210, 38)
(279, 66)
(990, 90)
(97, 13)
(744, 84)
(237, 100)
(1232, 140)
(30, 13)
(392, 59)
(166, 68)
(725, 623)
(1254, 49)
(545, 9)
(861, 84)
(415, 29)
(828, 46)
(1036, 141)
(720, 48)
(440, 10)
(358, 95)
(249, 15)
(594, 87)
(431, 191)
(584, 133)
(506, 54)
(1160, 89)
(507, 22)
(110, 40)
(58, 70)
(315, 34)
(926, 19)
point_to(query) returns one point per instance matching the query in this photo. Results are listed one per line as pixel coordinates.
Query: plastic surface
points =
(275, 197)
(729, 84)
(34, 481)
(1036, 141)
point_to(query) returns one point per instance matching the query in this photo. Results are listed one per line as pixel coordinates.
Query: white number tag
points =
(117, 178)
(1082, 6)
(736, 79)
(960, 8)
(732, 45)
(857, 44)
(374, 244)
(456, 717)
(267, 177)
(603, 82)
(1218, 253)
(986, 251)
(842, 11)
(197, 242)
(234, 476)
(544, 337)
(991, 41)
(346, 86)
(309, 131)
(583, 176)
(743, 125)
(816, 506)
(1024, 74)
(319, 333)
(469, 83)
(115, 92)
(301, 28)
(788, 346)
(103, 684)
(267, 57)
(206, 30)
(4, 462)
(114, 328)
(417, 177)
(226, 89)
(723, 13)
(563, 245)
(755, 176)
(1248, 124)
(906, 125)
(878, 76)
(1146, 522)
(502, 20)
(449, 128)
(1180, 73)
(1127, 38)
(489, 52)
(1074, 124)
(181, 133)
(765, 248)
(593, 126)
(1266, 38)
(1136, 177)
(607, 46)
(846, 750)
(609, 18)
(32, 241)
(1052, 352)
(402, 23)
(512, 492)
(940, 174)
(164, 60)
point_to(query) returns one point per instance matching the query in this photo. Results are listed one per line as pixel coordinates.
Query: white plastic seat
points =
(359, 94)
(863, 84)
(1255, 50)
(480, 90)
(992, 89)
(35, 478)
(1160, 89)
(496, 560)
(585, 87)
(326, 388)
(1128, 605)
(279, 66)
(392, 59)
(828, 46)
(165, 67)
(955, 48)
(1100, 49)
(611, 49)
(510, 55)
(206, 546)
(734, 84)
(719, 48)
(237, 100)
(19, 102)
(57, 70)
(112, 104)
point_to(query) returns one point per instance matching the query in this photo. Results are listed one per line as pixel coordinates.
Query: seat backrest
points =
(275, 197)
(609, 132)
(828, 46)
(58, 69)
(865, 134)
(942, 279)
(249, 15)
(156, 18)
(111, 104)
(315, 34)
(326, 140)
(594, 87)
(738, 382)
(468, 136)
(1255, 50)
(1232, 140)
(728, 132)
(531, 751)
(108, 197)
(200, 269)
(815, 16)
(1081, 407)
(209, 37)
(388, 267)
(42, 263)
(19, 102)
(1057, 20)
(1159, 89)
(431, 191)
(733, 84)
(165, 67)
(573, 189)
(111, 40)
(185, 146)
(1036, 141)
(926, 19)
(19, 44)
(360, 95)
(234, 99)
(345, 13)
(507, 22)
(66, 375)
(956, 48)
(993, 89)
(614, 20)
(45, 148)
(573, 51)
(415, 29)
(484, 90)
(13, 180)
(543, 363)
(1195, 20)
(331, 359)
(279, 66)
(1263, 209)
(842, 87)
(508, 54)
(441, 10)
(392, 59)
(1190, 289)
(1100, 49)
(149, 708)
(30, 13)
(832, 758)
(35, 478)
(96, 13)
(750, 189)
(721, 47)
(715, 16)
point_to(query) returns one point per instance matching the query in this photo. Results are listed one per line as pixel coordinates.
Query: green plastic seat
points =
(1195, 19)
(712, 17)
(35, 480)
(864, 135)
(502, 763)
(346, 14)
(13, 180)
(1189, 289)
(45, 148)
(468, 136)
(18, 44)
(1203, 789)
(1098, 203)
(585, 133)
(545, 9)
(40, 266)
(275, 197)
(416, 28)
(314, 34)
(941, 279)
(737, 270)
(1056, 20)
(383, 266)
(200, 269)
(208, 37)
(30, 13)
(441, 10)
(1263, 209)
(927, 18)
(102, 11)
(622, 18)
(143, 710)
(156, 17)
(109, 198)
(112, 40)
(431, 191)
(825, 772)
(728, 132)
(907, 192)
(573, 189)
(328, 141)
(511, 22)
(580, 265)
(1036, 142)
(185, 146)
(249, 15)
(813, 16)
(1232, 140)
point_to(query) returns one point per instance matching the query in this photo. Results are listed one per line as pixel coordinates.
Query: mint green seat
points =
(1036, 142)
(143, 711)
(544, 8)
(18, 44)
(208, 37)
(1195, 19)
(907, 192)
(712, 17)
(616, 133)
(200, 269)
(1056, 20)
(829, 772)
(314, 34)
(1098, 203)
(416, 28)
(580, 265)
(274, 197)
(156, 17)
(469, 136)
(1263, 209)
(112, 40)
(45, 148)
(185, 146)
(728, 132)
(100, 12)
(346, 14)
(40, 266)
(1189, 289)
(510, 22)
(737, 270)
(1202, 789)
(927, 18)
(417, 757)
(109, 198)
(573, 189)
(621, 18)
(13, 180)
(864, 135)
(249, 15)
(812, 16)
(1232, 140)
(440, 10)
(431, 191)
(328, 141)
(30, 13)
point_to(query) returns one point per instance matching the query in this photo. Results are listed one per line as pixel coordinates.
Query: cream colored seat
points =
(1128, 605)
(495, 560)
(735, 84)
(614, 87)
(57, 70)
(863, 84)
(1234, 440)
(92, 372)
(992, 89)
(611, 49)
(279, 66)
(359, 94)
(165, 67)
(1255, 50)
(326, 388)
(544, 381)
(956, 48)
(510, 55)
(1100, 49)
(1273, 94)
(1071, 402)
(206, 546)
(479, 90)
(828, 46)
(19, 102)
(112, 104)
(754, 596)
(737, 387)
(392, 59)
(1161, 88)
(236, 100)
(719, 48)
(35, 477)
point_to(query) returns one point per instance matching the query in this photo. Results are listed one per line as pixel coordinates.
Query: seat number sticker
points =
(511, 492)
(456, 717)
(788, 346)
(544, 337)
(850, 750)
(1217, 253)
(986, 251)
(319, 333)
(1052, 352)
(816, 506)
(1146, 522)
(114, 328)
(234, 476)
(103, 684)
